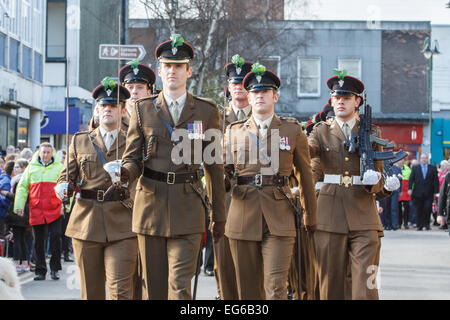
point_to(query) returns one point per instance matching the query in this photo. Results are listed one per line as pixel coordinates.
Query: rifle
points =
(361, 142)
(387, 164)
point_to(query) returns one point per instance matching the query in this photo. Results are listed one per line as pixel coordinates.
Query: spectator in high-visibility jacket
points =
(37, 183)
(404, 198)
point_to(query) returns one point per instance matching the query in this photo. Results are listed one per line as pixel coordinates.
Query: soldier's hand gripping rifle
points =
(361, 143)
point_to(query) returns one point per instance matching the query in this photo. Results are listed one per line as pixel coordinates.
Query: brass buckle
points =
(102, 193)
(346, 181)
(170, 178)
(258, 180)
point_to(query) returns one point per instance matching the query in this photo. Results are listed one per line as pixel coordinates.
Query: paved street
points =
(414, 265)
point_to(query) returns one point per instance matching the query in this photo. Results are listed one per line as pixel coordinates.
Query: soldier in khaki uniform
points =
(104, 246)
(348, 221)
(170, 204)
(139, 80)
(260, 224)
(239, 108)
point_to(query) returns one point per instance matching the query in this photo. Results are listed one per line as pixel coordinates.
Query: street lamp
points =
(428, 53)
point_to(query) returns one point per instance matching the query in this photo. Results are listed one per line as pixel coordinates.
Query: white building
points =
(21, 71)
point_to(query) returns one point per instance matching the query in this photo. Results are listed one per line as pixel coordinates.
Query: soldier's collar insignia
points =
(341, 76)
(238, 62)
(177, 41)
(258, 70)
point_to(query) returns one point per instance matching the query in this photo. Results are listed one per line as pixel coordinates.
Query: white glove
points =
(371, 177)
(392, 183)
(61, 190)
(294, 190)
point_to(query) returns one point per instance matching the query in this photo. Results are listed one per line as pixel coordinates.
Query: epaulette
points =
(321, 123)
(207, 100)
(290, 119)
(81, 132)
(238, 122)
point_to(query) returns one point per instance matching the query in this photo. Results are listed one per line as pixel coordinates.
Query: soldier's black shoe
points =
(209, 273)
(39, 277)
(419, 229)
(67, 259)
(54, 275)
(428, 228)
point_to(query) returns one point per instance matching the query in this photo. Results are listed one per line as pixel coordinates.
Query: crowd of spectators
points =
(20, 171)
(422, 195)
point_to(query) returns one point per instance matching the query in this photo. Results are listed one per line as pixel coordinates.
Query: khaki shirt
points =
(342, 209)
(90, 219)
(250, 204)
(163, 209)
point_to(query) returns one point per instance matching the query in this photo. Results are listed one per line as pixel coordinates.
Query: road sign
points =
(127, 51)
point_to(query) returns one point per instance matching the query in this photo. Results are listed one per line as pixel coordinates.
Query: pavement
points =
(413, 265)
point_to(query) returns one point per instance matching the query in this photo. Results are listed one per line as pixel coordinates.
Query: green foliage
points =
(108, 83)
(340, 73)
(238, 61)
(177, 40)
(258, 69)
(134, 64)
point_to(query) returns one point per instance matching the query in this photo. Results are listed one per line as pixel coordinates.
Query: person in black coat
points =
(444, 201)
(423, 184)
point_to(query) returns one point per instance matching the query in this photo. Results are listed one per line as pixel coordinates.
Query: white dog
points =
(9, 281)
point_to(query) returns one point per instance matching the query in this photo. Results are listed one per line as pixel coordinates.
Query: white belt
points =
(319, 185)
(342, 180)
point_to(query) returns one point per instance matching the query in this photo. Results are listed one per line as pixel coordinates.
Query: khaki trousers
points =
(114, 262)
(262, 266)
(224, 270)
(168, 265)
(335, 252)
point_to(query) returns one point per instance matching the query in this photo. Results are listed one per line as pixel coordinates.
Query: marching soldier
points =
(260, 225)
(104, 246)
(139, 80)
(348, 221)
(170, 203)
(239, 108)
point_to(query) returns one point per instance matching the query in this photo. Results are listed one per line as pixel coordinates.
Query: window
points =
(37, 26)
(14, 11)
(26, 18)
(3, 132)
(353, 66)
(11, 131)
(2, 50)
(4, 6)
(22, 140)
(13, 55)
(27, 62)
(271, 63)
(56, 31)
(37, 67)
(308, 77)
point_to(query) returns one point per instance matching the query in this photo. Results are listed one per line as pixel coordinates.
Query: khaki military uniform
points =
(260, 224)
(223, 261)
(105, 248)
(170, 218)
(348, 221)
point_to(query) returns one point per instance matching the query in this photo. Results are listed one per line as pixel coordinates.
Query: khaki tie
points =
(262, 130)
(241, 115)
(346, 129)
(109, 140)
(174, 111)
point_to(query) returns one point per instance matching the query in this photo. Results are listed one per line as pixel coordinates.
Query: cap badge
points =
(136, 71)
(108, 85)
(134, 65)
(341, 74)
(259, 71)
(177, 41)
(238, 62)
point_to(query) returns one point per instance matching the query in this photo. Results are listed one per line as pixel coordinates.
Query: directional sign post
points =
(127, 52)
